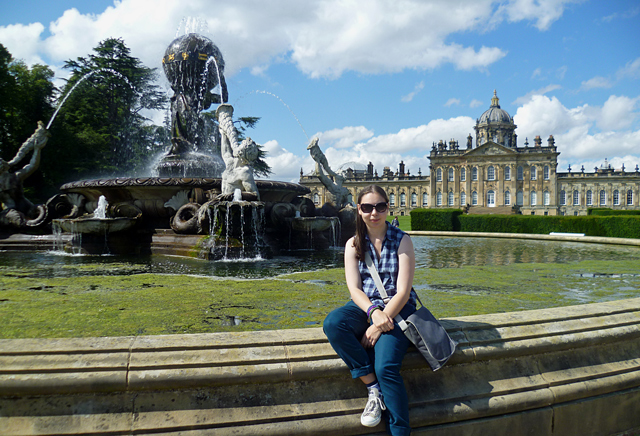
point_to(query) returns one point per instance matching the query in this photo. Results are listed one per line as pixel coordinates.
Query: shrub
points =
(436, 219)
(609, 212)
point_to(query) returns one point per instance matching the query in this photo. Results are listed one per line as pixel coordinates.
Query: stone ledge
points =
(536, 367)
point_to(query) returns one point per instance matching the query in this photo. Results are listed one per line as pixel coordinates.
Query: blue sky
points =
(381, 80)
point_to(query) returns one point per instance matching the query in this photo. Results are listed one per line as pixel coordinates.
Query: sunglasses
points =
(379, 207)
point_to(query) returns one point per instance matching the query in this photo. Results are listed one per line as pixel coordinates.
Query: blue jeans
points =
(344, 328)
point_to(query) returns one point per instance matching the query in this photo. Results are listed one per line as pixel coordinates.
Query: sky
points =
(380, 80)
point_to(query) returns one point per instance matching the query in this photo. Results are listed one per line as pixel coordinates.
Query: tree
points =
(104, 112)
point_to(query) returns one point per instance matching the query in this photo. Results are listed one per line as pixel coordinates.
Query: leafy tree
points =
(104, 113)
(261, 167)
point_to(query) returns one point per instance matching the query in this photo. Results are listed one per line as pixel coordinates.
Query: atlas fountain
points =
(211, 200)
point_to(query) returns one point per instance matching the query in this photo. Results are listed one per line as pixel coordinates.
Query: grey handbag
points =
(421, 327)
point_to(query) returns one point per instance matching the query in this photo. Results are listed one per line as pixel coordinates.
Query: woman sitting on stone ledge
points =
(363, 332)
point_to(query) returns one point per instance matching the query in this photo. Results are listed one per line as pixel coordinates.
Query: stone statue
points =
(238, 157)
(339, 194)
(15, 209)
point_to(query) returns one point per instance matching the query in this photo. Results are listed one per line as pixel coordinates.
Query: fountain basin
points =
(96, 226)
(312, 224)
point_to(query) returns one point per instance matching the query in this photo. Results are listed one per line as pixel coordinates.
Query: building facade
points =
(495, 176)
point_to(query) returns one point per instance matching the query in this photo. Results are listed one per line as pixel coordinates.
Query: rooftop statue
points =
(15, 209)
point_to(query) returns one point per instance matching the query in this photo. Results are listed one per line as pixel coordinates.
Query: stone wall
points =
(560, 371)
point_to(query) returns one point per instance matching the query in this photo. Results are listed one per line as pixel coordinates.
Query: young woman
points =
(363, 332)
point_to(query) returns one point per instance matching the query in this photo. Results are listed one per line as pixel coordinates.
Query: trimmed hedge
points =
(593, 225)
(443, 220)
(610, 212)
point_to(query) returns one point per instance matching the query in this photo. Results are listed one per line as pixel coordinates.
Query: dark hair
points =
(361, 227)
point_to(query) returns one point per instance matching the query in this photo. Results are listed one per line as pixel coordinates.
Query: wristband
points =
(372, 309)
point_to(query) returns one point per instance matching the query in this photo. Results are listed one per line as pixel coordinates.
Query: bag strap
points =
(383, 292)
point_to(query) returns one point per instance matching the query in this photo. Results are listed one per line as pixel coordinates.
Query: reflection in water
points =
(431, 252)
(442, 252)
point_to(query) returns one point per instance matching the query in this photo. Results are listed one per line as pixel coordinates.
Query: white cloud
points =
(475, 103)
(324, 38)
(631, 70)
(284, 164)
(596, 82)
(345, 137)
(452, 101)
(407, 98)
(617, 113)
(542, 91)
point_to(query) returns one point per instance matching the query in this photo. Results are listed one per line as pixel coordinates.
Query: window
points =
(451, 174)
(439, 199)
(507, 198)
(474, 198)
(403, 199)
(474, 173)
(463, 199)
(350, 200)
(545, 172)
(589, 198)
(507, 173)
(534, 198)
(519, 198)
(316, 198)
(576, 198)
(491, 173)
(491, 198)
(392, 200)
(563, 198)
(450, 198)
(520, 173)
(603, 198)
(629, 197)
(425, 199)
(463, 174)
(533, 173)
(616, 198)
(414, 199)
(439, 175)
(546, 198)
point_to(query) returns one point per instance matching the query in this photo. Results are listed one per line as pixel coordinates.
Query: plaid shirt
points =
(387, 267)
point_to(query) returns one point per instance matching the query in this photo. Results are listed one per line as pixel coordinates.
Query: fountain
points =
(205, 205)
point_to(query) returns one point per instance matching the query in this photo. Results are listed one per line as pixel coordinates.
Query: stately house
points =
(495, 176)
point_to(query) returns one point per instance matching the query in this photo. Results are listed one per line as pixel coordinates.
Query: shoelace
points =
(371, 404)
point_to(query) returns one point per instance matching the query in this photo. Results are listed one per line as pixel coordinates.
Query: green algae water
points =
(52, 295)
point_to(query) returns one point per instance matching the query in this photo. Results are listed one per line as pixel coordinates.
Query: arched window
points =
(439, 175)
(589, 198)
(450, 198)
(603, 198)
(491, 198)
(463, 199)
(316, 198)
(414, 199)
(563, 197)
(629, 197)
(519, 198)
(451, 174)
(491, 173)
(474, 198)
(507, 198)
(507, 173)
(403, 199)
(425, 199)
(534, 175)
(616, 198)
(546, 198)
(474, 173)
(520, 174)
(534, 198)
(392, 199)
(463, 174)
(439, 199)
(576, 198)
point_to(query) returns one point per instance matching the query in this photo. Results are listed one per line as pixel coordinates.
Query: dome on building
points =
(494, 114)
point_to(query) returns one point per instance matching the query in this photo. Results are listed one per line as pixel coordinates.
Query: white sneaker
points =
(373, 410)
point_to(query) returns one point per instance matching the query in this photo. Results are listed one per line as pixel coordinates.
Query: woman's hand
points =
(382, 321)
(371, 336)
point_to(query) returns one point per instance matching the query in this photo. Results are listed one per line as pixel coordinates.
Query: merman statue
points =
(339, 195)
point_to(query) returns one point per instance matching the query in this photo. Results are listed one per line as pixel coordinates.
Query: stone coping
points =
(551, 237)
(567, 370)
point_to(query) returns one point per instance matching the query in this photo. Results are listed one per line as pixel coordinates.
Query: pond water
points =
(431, 252)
